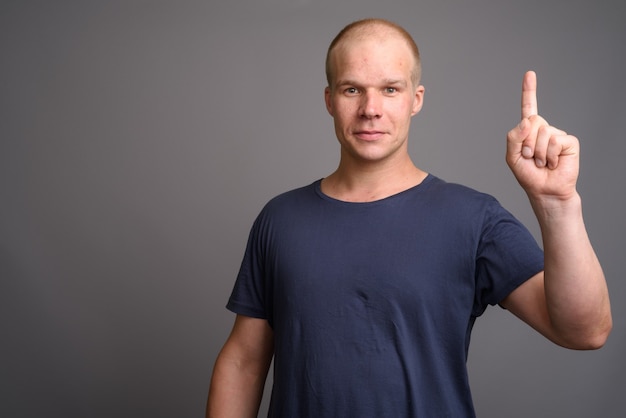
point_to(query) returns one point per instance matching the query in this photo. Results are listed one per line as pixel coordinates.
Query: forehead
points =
(373, 56)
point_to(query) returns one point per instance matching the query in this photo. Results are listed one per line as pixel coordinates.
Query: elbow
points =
(594, 340)
(593, 343)
(599, 340)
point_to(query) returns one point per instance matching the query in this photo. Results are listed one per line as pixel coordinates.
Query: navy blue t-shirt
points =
(372, 304)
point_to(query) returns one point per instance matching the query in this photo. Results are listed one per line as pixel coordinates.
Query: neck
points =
(370, 182)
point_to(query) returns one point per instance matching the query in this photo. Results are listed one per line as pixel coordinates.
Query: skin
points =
(372, 105)
(372, 100)
(241, 369)
(569, 301)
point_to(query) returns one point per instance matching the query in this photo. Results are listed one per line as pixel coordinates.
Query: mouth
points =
(369, 135)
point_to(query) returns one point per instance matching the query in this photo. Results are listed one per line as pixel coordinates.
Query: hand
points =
(544, 159)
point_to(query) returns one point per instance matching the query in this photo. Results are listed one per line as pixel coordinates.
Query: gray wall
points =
(139, 139)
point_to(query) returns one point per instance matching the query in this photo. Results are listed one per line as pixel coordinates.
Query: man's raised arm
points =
(569, 301)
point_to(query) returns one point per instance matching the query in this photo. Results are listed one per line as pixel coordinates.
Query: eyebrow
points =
(394, 82)
(386, 82)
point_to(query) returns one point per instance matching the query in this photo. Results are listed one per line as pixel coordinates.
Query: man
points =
(364, 286)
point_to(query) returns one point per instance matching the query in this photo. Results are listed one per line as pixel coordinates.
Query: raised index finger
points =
(529, 95)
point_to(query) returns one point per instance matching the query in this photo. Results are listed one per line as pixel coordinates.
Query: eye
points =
(391, 90)
(351, 91)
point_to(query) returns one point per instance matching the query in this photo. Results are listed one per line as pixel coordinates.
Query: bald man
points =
(364, 286)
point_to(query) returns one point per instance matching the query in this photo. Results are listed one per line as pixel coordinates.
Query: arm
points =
(241, 369)
(568, 302)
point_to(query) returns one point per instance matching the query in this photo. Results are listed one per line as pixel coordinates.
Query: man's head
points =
(373, 90)
(365, 28)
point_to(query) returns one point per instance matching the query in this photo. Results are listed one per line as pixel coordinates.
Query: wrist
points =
(555, 208)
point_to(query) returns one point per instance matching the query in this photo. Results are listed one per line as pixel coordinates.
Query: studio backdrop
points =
(139, 140)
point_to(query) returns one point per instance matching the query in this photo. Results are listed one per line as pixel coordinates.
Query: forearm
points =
(576, 292)
(236, 388)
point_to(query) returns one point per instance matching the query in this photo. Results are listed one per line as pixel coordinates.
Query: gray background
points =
(139, 139)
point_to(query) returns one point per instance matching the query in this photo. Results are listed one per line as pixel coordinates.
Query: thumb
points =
(515, 141)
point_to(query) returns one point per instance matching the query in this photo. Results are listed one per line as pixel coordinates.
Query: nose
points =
(371, 105)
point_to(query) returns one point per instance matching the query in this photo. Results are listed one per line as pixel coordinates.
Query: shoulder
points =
(454, 193)
(287, 205)
(460, 206)
(293, 198)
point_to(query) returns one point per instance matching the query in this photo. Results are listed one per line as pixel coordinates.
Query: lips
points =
(369, 135)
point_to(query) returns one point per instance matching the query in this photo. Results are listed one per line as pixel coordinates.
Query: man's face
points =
(372, 98)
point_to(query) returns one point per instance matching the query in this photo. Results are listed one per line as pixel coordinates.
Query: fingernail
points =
(527, 152)
(539, 162)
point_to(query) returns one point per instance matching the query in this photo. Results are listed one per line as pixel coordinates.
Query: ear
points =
(327, 100)
(418, 100)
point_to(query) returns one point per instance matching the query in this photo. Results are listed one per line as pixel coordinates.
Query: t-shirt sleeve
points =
(508, 255)
(249, 293)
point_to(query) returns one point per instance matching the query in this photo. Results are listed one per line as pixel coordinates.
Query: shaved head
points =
(372, 28)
